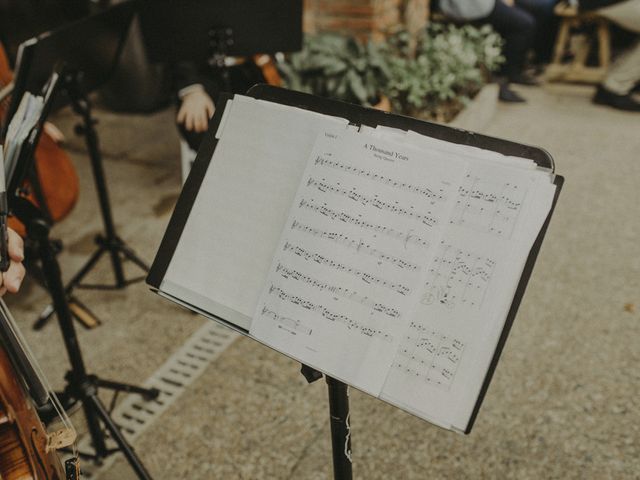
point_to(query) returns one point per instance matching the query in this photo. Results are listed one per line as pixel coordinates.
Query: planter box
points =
(480, 111)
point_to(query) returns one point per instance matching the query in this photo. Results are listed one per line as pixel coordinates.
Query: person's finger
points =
(16, 246)
(12, 278)
(188, 121)
(181, 115)
(203, 121)
(200, 121)
(3, 290)
(211, 109)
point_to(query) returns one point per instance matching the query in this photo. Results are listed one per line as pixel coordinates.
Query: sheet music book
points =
(380, 256)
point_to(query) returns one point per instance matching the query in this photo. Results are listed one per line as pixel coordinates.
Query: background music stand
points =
(206, 31)
(356, 115)
(80, 385)
(89, 63)
(175, 31)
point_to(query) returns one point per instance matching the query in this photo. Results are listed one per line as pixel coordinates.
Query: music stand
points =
(177, 31)
(81, 387)
(89, 48)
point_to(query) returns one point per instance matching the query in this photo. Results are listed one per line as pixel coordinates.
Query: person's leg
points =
(626, 14)
(624, 73)
(517, 27)
(546, 26)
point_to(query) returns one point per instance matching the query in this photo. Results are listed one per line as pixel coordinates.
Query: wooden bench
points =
(577, 70)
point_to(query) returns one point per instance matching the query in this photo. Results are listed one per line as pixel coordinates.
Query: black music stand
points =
(191, 29)
(356, 115)
(89, 48)
(81, 387)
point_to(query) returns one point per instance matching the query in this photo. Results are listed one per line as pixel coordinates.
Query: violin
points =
(53, 185)
(27, 449)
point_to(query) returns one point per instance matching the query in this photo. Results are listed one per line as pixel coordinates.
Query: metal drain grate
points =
(134, 414)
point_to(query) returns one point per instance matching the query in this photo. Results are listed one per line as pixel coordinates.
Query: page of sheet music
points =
(469, 286)
(224, 253)
(367, 217)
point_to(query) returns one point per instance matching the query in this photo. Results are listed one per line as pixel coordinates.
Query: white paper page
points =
(445, 353)
(364, 222)
(228, 242)
(468, 151)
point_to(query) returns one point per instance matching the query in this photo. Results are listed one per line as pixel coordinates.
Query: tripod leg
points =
(340, 429)
(117, 436)
(147, 393)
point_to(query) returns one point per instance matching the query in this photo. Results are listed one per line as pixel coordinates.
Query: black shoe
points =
(524, 79)
(621, 102)
(507, 95)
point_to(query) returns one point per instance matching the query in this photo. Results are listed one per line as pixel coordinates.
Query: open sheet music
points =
(382, 257)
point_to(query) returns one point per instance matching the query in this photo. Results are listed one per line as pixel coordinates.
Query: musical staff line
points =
(488, 206)
(346, 293)
(364, 276)
(324, 186)
(431, 355)
(286, 323)
(407, 187)
(406, 238)
(328, 314)
(457, 277)
(357, 245)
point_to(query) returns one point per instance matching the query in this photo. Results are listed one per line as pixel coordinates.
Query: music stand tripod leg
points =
(80, 385)
(109, 242)
(339, 420)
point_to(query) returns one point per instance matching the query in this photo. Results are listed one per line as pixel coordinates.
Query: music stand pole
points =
(109, 242)
(81, 387)
(339, 420)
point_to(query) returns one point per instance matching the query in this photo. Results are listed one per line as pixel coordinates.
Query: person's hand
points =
(509, 3)
(11, 280)
(196, 110)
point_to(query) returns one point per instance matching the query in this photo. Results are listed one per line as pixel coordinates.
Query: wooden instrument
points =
(27, 450)
(54, 185)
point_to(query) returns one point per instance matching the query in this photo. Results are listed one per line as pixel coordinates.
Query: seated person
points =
(624, 74)
(513, 20)
(198, 89)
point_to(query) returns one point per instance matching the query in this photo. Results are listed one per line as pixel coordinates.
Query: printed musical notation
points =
(289, 273)
(374, 201)
(285, 323)
(458, 277)
(406, 238)
(364, 276)
(357, 245)
(328, 314)
(398, 185)
(488, 206)
(430, 355)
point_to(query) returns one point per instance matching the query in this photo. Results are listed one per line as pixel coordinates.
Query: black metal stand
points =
(339, 418)
(81, 387)
(109, 242)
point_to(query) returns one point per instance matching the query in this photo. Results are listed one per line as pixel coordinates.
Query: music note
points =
(429, 355)
(457, 277)
(489, 206)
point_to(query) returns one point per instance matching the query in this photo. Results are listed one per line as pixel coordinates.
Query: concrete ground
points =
(564, 401)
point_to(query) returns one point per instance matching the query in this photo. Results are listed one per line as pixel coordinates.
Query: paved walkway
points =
(564, 401)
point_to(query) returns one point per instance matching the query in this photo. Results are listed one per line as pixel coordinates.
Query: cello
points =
(27, 449)
(54, 184)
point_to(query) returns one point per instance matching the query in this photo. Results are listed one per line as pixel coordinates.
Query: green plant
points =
(450, 64)
(340, 67)
(435, 79)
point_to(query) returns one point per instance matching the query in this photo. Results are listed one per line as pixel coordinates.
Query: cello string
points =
(53, 398)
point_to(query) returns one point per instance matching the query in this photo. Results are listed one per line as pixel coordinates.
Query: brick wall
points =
(362, 18)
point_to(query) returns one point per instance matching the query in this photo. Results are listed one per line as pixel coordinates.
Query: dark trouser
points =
(517, 27)
(546, 26)
(241, 78)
